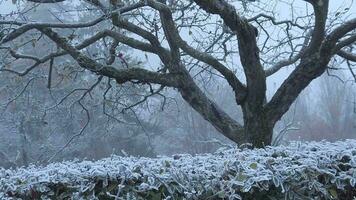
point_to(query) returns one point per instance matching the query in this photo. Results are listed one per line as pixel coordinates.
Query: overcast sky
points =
(6, 7)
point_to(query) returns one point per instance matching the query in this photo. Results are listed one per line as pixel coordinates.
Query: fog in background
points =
(36, 126)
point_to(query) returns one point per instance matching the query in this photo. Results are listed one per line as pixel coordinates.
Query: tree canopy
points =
(217, 37)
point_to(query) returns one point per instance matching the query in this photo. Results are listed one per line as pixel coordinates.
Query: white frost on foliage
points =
(227, 173)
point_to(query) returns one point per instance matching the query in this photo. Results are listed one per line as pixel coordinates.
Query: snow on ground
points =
(229, 173)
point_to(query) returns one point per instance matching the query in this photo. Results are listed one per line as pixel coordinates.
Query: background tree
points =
(213, 40)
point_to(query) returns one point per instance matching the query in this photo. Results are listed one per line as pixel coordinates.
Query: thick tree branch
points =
(188, 88)
(120, 75)
(312, 64)
(136, 44)
(162, 53)
(321, 8)
(347, 55)
(119, 37)
(168, 26)
(24, 27)
(341, 31)
(176, 41)
(44, 59)
(346, 42)
(248, 50)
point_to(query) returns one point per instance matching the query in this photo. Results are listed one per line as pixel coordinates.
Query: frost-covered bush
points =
(314, 170)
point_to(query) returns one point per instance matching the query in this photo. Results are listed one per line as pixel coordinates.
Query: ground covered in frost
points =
(314, 170)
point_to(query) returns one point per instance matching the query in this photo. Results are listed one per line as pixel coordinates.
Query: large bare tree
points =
(310, 44)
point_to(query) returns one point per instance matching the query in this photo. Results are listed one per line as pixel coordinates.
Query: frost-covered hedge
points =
(312, 170)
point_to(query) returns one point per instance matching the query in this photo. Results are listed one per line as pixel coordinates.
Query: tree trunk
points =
(211, 112)
(258, 129)
(258, 132)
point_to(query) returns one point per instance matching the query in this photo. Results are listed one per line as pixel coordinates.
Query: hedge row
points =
(314, 170)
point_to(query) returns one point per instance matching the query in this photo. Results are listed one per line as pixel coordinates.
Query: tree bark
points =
(212, 113)
(258, 128)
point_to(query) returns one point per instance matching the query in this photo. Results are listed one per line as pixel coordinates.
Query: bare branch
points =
(347, 55)
(311, 66)
(86, 123)
(120, 75)
(274, 21)
(248, 50)
(176, 41)
(341, 31)
(283, 63)
(29, 26)
(346, 42)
